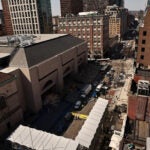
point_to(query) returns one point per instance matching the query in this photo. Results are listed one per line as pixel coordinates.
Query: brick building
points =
(7, 18)
(93, 29)
(117, 20)
(71, 7)
(143, 54)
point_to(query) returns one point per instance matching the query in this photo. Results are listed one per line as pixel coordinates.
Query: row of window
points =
(27, 32)
(23, 14)
(16, 2)
(80, 22)
(26, 27)
(26, 7)
(86, 30)
(25, 21)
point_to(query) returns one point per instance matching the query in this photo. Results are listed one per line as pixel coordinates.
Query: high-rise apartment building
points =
(7, 18)
(94, 5)
(148, 3)
(143, 54)
(117, 20)
(119, 3)
(27, 16)
(71, 7)
(92, 28)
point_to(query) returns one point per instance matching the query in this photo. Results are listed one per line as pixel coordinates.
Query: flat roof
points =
(44, 47)
(2, 55)
(44, 37)
(138, 107)
(9, 69)
(37, 139)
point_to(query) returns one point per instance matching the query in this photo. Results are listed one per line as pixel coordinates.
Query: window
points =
(2, 102)
(142, 49)
(144, 33)
(142, 56)
(47, 84)
(143, 41)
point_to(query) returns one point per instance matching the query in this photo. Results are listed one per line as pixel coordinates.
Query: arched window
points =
(66, 70)
(47, 84)
(2, 102)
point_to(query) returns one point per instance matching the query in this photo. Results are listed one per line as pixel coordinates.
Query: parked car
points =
(78, 105)
(68, 116)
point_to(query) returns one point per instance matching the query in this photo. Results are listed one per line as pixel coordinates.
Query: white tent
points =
(148, 143)
(37, 139)
(88, 130)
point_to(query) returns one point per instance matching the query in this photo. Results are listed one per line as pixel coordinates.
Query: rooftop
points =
(26, 40)
(138, 107)
(38, 139)
(34, 49)
(5, 77)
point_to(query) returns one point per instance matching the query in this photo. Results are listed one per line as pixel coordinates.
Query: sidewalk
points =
(121, 95)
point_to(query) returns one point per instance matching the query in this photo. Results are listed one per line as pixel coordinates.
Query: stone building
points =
(42, 65)
(10, 108)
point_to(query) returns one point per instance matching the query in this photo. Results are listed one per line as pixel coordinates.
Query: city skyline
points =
(131, 5)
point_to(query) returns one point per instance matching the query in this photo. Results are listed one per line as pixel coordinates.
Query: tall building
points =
(7, 18)
(71, 7)
(92, 28)
(143, 54)
(94, 5)
(119, 3)
(148, 3)
(117, 20)
(27, 17)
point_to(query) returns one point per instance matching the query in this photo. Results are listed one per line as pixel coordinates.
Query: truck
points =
(86, 90)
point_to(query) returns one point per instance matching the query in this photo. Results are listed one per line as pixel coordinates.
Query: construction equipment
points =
(79, 116)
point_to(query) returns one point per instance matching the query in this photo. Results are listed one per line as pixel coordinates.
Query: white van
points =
(98, 88)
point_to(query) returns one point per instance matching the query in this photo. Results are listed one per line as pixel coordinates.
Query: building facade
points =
(93, 29)
(117, 20)
(71, 7)
(7, 18)
(10, 109)
(94, 5)
(27, 17)
(143, 53)
(57, 56)
(119, 3)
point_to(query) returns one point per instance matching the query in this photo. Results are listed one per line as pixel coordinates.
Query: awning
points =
(37, 139)
(148, 143)
(88, 130)
(115, 141)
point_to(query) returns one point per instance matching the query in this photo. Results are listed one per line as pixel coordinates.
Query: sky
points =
(130, 4)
